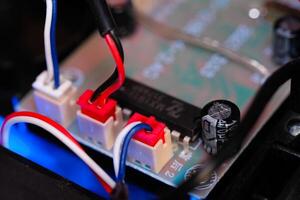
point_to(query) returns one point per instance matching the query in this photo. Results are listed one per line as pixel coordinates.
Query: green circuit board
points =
(197, 75)
(192, 74)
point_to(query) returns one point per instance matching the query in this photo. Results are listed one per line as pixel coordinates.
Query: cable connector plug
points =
(59, 103)
(99, 125)
(93, 110)
(151, 150)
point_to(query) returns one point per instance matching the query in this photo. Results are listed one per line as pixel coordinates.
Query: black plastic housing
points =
(22, 179)
(103, 16)
(175, 113)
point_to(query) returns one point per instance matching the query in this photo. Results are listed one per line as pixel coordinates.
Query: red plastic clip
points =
(156, 134)
(93, 110)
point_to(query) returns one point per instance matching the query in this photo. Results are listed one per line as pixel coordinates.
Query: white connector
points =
(102, 134)
(58, 104)
(152, 157)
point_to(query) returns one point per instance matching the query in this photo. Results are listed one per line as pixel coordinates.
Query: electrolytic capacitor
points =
(219, 120)
(286, 39)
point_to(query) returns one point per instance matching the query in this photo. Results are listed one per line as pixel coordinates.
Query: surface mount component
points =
(176, 114)
(219, 120)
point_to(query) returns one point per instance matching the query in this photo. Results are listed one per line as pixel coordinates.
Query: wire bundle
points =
(99, 96)
(113, 83)
(119, 152)
(49, 42)
(106, 28)
(61, 134)
(121, 147)
(114, 76)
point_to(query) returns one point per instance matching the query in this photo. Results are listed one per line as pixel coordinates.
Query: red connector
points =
(93, 110)
(156, 134)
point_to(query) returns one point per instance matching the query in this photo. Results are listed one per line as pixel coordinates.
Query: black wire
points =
(114, 76)
(106, 25)
(102, 15)
(257, 106)
(118, 43)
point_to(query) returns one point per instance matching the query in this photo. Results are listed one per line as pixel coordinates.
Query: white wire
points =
(47, 40)
(63, 138)
(118, 144)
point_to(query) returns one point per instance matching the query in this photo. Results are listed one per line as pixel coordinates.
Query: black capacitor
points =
(286, 39)
(219, 120)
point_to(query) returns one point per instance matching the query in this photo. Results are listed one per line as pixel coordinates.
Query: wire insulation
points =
(53, 45)
(101, 100)
(61, 134)
(114, 76)
(125, 145)
(118, 144)
(49, 42)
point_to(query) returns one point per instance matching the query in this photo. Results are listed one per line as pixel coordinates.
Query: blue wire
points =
(124, 149)
(53, 44)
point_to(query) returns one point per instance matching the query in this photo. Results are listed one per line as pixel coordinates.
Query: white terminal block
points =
(58, 104)
(153, 158)
(101, 134)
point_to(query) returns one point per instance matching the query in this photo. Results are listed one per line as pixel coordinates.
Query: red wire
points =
(55, 125)
(43, 118)
(121, 70)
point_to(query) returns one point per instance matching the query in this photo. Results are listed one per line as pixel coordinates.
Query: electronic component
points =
(99, 125)
(177, 114)
(286, 39)
(151, 150)
(219, 120)
(163, 65)
(58, 104)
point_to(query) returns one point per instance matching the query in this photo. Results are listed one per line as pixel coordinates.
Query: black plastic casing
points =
(23, 179)
(102, 15)
(175, 113)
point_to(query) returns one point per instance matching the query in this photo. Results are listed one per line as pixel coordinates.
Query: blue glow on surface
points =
(15, 102)
(53, 157)
(59, 160)
(195, 198)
